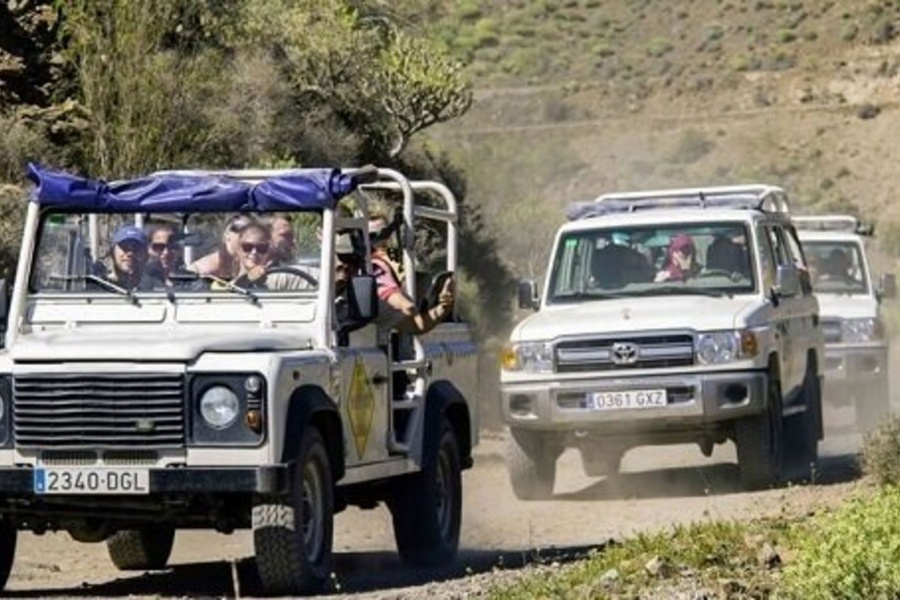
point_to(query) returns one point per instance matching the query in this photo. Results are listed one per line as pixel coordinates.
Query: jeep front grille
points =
(831, 331)
(111, 410)
(626, 352)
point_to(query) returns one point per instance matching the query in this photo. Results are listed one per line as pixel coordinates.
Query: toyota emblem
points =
(624, 353)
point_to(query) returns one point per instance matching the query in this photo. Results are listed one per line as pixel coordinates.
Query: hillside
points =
(635, 94)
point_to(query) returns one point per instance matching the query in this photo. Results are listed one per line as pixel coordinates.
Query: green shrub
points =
(659, 47)
(881, 452)
(853, 552)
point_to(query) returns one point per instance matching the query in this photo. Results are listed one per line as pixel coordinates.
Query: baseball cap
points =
(130, 232)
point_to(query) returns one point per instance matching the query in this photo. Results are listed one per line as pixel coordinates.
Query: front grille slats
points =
(109, 410)
(831, 331)
(651, 352)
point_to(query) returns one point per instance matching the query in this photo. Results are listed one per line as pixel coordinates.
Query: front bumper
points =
(270, 479)
(848, 367)
(695, 401)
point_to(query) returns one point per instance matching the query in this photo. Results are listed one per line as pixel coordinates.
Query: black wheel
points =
(802, 432)
(292, 537)
(141, 549)
(531, 463)
(427, 507)
(873, 405)
(759, 443)
(8, 537)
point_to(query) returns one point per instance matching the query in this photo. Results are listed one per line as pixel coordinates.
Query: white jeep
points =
(668, 316)
(856, 349)
(129, 413)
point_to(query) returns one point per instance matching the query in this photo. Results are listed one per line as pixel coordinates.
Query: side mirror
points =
(787, 281)
(363, 298)
(887, 286)
(528, 294)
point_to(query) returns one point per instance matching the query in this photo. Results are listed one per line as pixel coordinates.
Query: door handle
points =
(379, 379)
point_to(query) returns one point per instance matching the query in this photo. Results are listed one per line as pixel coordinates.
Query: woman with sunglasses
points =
(254, 245)
(164, 257)
(222, 262)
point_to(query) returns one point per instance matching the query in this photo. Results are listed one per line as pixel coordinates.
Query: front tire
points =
(8, 538)
(531, 464)
(293, 537)
(427, 507)
(141, 549)
(802, 432)
(758, 440)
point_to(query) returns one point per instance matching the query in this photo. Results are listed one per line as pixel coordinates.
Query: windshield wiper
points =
(676, 290)
(104, 283)
(586, 296)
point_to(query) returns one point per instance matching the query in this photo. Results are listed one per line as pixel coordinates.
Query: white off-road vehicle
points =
(669, 316)
(856, 349)
(127, 414)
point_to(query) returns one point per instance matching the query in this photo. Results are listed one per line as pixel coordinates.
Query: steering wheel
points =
(296, 271)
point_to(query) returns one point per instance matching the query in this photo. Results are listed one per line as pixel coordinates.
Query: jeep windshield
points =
(248, 254)
(836, 267)
(710, 259)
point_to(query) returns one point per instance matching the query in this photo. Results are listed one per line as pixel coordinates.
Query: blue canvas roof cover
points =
(303, 189)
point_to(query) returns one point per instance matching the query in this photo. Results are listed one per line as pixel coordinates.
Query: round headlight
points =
(219, 407)
(715, 348)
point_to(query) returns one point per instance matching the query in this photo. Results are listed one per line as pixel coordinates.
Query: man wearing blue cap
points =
(129, 254)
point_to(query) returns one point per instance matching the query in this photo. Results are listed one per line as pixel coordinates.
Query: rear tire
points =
(759, 443)
(427, 507)
(293, 537)
(531, 463)
(141, 549)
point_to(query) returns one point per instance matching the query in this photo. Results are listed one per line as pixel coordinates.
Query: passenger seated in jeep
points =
(681, 260)
(222, 262)
(164, 261)
(129, 257)
(837, 268)
(728, 257)
(413, 320)
(253, 246)
(616, 265)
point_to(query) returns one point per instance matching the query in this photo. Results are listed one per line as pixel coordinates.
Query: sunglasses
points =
(160, 247)
(248, 248)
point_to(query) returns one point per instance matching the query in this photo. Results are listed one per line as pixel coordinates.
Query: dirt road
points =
(659, 487)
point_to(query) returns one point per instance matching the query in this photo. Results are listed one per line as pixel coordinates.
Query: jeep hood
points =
(842, 306)
(176, 345)
(699, 313)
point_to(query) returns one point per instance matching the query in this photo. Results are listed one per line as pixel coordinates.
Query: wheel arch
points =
(310, 404)
(444, 398)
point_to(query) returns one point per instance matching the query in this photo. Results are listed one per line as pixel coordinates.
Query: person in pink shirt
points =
(388, 284)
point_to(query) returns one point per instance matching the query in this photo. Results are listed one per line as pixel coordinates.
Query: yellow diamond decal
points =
(360, 407)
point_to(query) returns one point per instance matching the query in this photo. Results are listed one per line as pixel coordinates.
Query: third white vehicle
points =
(856, 350)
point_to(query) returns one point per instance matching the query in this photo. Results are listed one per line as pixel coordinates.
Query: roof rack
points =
(766, 198)
(845, 223)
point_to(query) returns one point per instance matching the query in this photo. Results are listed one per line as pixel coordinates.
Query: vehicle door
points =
(774, 253)
(806, 311)
(364, 382)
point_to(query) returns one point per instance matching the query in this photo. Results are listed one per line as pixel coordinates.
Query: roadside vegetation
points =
(852, 551)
